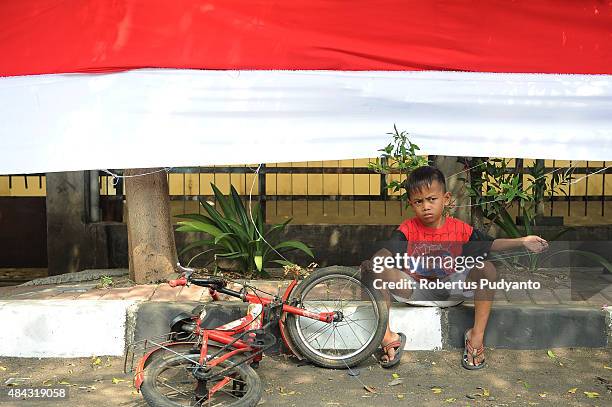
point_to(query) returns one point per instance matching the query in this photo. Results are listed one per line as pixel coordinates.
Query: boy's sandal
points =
(469, 350)
(398, 347)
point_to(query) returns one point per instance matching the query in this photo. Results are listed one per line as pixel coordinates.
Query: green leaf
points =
(258, 262)
(226, 205)
(279, 227)
(202, 227)
(216, 217)
(222, 236)
(230, 255)
(591, 394)
(294, 244)
(196, 217)
(241, 213)
(527, 220)
(186, 228)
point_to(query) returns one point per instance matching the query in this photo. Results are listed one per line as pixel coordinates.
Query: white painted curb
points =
(421, 325)
(68, 328)
(63, 328)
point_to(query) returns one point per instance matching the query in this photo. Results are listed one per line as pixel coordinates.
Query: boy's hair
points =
(423, 177)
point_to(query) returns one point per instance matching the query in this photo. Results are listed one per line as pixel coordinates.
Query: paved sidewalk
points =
(424, 378)
(163, 292)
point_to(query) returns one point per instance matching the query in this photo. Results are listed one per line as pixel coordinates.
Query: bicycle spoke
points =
(354, 333)
(345, 294)
(330, 335)
(358, 324)
(176, 390)
(313, 322)
(318, 332)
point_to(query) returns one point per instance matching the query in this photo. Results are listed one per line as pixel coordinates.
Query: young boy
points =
(434, 238)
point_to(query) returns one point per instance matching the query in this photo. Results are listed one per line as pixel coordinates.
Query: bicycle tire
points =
(294, 327)
(155, 398)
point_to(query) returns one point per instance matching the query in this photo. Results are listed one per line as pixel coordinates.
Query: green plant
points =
(106, 282)
(398, 157)
(238, 235)
(504, 189)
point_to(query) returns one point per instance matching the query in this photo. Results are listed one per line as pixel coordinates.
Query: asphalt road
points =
(425, 378)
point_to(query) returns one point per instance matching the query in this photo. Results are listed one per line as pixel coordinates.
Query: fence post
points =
(539, 187)
(384, 192)
(262, 198)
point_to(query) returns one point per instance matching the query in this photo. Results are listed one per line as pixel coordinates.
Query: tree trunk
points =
(453, 170)
(476, 181)
(152, 251)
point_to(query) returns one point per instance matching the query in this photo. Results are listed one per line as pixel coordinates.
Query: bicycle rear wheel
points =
(171, 381)
(362, 318)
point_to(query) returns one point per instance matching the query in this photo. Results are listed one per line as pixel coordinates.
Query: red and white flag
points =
(144, 83)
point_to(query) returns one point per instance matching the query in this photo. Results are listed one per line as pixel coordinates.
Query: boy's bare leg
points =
(388, 274)
(483, 300)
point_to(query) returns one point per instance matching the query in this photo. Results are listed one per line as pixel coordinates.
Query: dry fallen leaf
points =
(115, 380)
(591, 394)
(370, 389)
(572, 390)
(395, 382)
(551, 354)
(607, 367)
(395, 376)
(543, 395)
(3, 368)
(450, 400)
(400, 396)
(436, 390)
(64, 382)
(95, 361)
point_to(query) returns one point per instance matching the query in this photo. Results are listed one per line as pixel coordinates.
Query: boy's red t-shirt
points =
(449, 240)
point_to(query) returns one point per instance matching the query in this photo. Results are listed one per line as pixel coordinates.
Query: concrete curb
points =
(60, 328)
(67, 328)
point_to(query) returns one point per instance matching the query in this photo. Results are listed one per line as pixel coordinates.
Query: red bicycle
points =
(330, 318)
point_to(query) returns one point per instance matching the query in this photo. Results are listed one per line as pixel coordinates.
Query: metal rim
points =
(307, 343)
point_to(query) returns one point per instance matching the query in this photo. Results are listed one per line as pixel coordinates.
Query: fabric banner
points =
(149, 118)
(144, 83)
(525, 36)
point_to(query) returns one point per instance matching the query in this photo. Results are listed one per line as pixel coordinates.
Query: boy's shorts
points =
(438, 297)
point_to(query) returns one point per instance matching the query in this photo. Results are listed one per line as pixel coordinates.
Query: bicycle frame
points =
(230, 334)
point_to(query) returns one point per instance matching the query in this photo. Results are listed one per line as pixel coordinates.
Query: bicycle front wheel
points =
(172, 381)
(360, 325)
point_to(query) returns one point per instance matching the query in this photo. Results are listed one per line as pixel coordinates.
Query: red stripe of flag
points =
(547, 36)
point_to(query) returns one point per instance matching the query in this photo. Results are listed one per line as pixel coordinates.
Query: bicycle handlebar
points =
(215, 283)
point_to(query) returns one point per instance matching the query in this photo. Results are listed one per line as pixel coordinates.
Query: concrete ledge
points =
(68, 328)
(421, 325)
(532, 327)
(63, 328)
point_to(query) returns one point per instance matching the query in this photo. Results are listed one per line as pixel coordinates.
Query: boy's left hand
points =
(534, 243)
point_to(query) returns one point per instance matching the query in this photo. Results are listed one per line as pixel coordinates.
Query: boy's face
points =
(428, 203)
